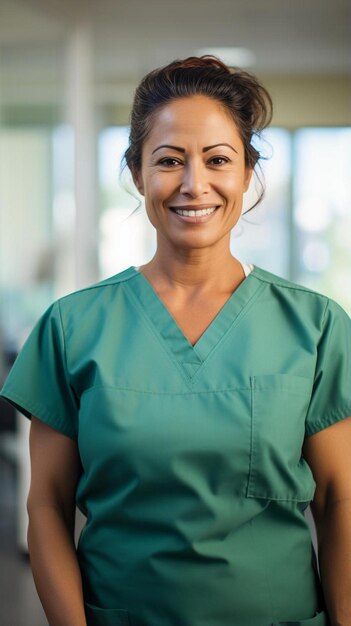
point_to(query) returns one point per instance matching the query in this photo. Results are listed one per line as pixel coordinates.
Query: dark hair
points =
(239, 92)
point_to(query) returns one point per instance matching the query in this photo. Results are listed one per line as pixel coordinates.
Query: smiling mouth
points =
(194, 212)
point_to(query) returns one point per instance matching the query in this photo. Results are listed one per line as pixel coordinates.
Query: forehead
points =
(198, 117)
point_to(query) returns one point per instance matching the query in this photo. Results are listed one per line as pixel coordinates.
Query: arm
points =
(328, 453)
(55, 469)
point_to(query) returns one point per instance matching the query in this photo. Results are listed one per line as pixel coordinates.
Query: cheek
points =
(157, 188)
(234, 185)
(157, 193)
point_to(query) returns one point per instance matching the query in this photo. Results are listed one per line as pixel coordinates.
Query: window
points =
(26, 230)
(126, 236)
(322, 211)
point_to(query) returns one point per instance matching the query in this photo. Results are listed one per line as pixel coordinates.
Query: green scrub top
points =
(194, 485)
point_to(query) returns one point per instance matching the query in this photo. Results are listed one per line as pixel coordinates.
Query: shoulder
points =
(96, 293)
(278, 284)
(97, 288)
(283, 283)
(303, 300)
(88, 307)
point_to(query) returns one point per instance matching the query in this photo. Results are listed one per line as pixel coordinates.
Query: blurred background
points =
(68, 71)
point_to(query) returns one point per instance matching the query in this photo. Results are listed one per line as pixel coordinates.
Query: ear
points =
(247, 179)
(137, 180)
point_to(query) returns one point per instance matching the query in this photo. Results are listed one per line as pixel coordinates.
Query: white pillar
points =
(80, 116)
(23, 468)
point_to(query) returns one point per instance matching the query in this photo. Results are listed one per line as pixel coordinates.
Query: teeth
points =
(197, 213)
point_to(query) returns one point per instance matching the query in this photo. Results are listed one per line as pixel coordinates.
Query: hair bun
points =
(203, 62)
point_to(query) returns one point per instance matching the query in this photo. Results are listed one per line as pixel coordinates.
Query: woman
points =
(171, 402)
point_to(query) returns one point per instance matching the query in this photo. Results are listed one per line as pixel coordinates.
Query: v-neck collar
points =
(190, 357)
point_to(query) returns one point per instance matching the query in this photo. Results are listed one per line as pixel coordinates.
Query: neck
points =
(194, 269)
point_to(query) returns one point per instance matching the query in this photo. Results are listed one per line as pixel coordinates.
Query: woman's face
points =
(193, 174)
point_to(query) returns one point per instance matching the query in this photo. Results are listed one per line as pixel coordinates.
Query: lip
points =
(194, 219)
(194, 207)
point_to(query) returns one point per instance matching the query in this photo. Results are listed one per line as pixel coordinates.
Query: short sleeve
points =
(38, 383)
(331, 395)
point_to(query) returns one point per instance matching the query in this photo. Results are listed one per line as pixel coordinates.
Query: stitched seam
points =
(63, 335)
(328, 420)
(302, 498)
(251, 452)
(159, 338)
(251, 491)
(164, 393)
(100, 285)
(287, 390)
(287, 286)
(38, 410)
(72, 390)
(235, 321)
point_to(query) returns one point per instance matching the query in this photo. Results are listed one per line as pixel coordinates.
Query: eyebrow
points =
(182, 150)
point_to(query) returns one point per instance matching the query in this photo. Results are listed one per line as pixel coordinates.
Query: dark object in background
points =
(7, 413)
(7, 417)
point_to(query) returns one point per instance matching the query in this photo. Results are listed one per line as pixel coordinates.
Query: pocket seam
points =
(122, 614)
(285, 384)
(299, 385)
(319, 615)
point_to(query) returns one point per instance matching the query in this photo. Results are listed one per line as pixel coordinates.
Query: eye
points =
(169, 162)
(219, 160)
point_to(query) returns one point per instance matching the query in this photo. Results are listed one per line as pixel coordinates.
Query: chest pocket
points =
(277, 469)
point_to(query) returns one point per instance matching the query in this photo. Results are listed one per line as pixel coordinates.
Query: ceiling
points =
(130, 37)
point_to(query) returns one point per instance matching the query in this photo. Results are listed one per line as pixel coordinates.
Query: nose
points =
(195, 180)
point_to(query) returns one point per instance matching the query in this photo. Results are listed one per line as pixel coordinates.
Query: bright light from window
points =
(322, 211)
(126, 235)
(313, 213)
